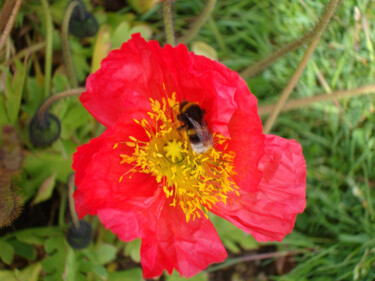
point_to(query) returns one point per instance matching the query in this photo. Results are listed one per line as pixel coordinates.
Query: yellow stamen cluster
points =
(194, 182)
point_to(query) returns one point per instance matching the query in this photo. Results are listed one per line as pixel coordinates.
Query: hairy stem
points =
(198, 22)
(168, 22)
(328, 13)
(72, 209)
(233, 261)
(68, 62)
(9, 24)
(49, 40)
(25, 52)
(54, 98)
(299, 103)
(262, 64)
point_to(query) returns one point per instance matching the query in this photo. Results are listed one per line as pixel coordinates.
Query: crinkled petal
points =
(98, 171)
(270, 213)
(140, 70)
(247, 139)
(168, 241)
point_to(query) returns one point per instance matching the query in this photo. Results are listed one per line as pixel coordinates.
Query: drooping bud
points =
(79, 238)
(82, 23)
(44, 129)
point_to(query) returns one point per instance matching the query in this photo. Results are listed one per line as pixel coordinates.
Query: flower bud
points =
(82, 23)
(79, 238)
(44, 131)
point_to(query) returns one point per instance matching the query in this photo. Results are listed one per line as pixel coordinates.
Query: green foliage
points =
(336, 232)
(126, 275)
(175, 277)
(233, 238)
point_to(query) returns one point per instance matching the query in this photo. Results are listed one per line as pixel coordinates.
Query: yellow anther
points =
(192, 182)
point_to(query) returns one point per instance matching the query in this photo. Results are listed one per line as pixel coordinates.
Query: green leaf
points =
(60, 83)
(134, 274)
(46, 189)
(6, 253)
(142, 6)
(232, 237)
(23, 249)
(14, 94)
(175, 277)
(144, 29)
(72, 266)
(40, 165)
(3, 114)
(100, 270)
(102, 47)
(7, 275)
(53, 264)
(132, 249)
(30, 273)
(121, 34)
(203, 49)
(106, 253)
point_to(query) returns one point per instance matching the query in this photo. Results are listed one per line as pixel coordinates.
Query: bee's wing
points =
(203, 132)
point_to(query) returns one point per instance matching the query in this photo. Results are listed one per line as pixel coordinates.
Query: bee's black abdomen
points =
(194, 138)
(191, 110)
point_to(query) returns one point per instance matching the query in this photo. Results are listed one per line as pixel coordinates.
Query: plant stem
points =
(198, 22)
(25, 52)
(49, 40)
(299, 103)
(62, 208)
(262, 64)
(72, 209)
(168, 22)
(68, 62)
(233, 261)
(54, 98)
(218, 36)
(9, 24)
(328, 13)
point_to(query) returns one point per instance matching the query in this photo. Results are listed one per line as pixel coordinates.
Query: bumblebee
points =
(191, 116)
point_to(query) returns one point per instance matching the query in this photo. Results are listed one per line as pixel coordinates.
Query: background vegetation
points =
(334, 239)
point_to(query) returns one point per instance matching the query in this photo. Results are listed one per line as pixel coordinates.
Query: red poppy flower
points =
(144, 180)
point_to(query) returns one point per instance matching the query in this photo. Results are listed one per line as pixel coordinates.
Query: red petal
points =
(130, 74)
(98, 171)
(187, 247)
(138, 71)
(247, 139)
(270, 213)
(168, 242)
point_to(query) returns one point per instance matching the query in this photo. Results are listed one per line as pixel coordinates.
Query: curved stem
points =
(168, 22)
(9, 25)
(262, 64)
(198, 23)
(49, 40)
(218, 36)
(299, 103)
(72, 208)
(54, 98)
(68, 62)
(233, 261)
(26, 52)
(328, 13)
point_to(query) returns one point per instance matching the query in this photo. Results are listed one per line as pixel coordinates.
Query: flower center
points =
(194, 182)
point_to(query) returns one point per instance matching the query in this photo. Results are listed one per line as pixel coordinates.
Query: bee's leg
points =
(182, 127)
